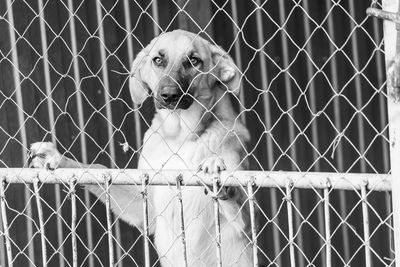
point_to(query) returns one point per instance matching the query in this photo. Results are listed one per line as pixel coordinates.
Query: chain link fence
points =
(313, 98)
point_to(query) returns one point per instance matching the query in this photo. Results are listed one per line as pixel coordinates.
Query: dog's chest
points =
(160, 153)
(163, 153)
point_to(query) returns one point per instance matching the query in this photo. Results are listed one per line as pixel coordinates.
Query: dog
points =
(195, 126)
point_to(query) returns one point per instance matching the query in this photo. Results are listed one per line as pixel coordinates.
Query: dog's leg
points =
(46, 155)
(235, 226)
(126, 200)
(231, 198)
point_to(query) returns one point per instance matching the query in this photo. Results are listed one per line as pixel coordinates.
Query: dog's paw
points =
(212, 165)
(44, 155)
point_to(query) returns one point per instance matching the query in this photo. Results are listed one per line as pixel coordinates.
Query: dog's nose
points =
(170, 94)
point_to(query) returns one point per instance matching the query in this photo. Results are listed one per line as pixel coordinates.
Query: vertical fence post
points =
(5, 221)
(107, 102)
(365, 215)
(392, 48)
(216, 187)
(182, 218)
(288, 199)
(21, 121)
(339, 153)
(292, 149)
(145, 183)
(327, 219)
(107, 184)
(2, 241)
(273, 195)
(52, 127)
(72, 194)
(238, 54)
(41, 221)
(81, 120)
(252, 197)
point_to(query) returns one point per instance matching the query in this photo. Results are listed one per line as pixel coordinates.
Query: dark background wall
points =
(313, 100)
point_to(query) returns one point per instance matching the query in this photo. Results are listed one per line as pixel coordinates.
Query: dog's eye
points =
(195, 61)
(158, 61)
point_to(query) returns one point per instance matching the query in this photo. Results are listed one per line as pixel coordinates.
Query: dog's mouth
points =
(183, 102)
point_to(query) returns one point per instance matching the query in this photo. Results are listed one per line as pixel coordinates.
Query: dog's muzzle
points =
(172, 97)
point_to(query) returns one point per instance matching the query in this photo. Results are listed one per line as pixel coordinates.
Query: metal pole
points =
(72, 194)
(107, 184)
(358, 91)
(311, 88)
(129, 46)
(273, 196)
(328, 249)
(367, 237)
(41, 223)
(290, 222)
(338, 122)
(339, 181)
(383, 117)
(2, 244)
(47, 78)
(292, 148)
(107, 102)
(238, 54)
(5, 222)
(252, 197)
(145, 182)
(182, 218)
(217, 221)
(22, 129)
(81, 122)
(392, 48)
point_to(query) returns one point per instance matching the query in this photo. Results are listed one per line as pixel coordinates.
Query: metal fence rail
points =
(364, 184)
(316, 180)
(285, 181)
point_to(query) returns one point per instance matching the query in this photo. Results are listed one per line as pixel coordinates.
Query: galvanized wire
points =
(306, 93)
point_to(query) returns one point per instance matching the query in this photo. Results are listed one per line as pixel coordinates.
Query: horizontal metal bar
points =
(305, 180)
(382, 14)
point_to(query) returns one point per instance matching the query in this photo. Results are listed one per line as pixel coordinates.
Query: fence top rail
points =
(305, 180)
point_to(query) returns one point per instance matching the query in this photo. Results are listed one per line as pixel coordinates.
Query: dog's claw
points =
(44, 155)
(212, 165)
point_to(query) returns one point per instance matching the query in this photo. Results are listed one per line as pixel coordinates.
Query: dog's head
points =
(180, 67)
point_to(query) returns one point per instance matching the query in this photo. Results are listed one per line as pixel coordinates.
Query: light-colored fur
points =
(207, 134)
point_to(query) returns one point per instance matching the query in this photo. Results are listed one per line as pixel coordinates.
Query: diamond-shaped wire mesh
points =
(312, 97)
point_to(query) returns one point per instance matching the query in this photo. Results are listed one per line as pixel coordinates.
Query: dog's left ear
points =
(137, 85)
(224, 69)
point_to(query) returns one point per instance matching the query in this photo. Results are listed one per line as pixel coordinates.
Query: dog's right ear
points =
(225, 70)
(137, 86)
